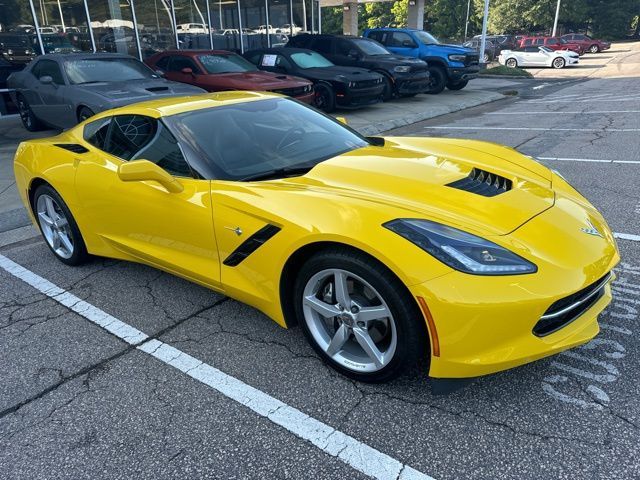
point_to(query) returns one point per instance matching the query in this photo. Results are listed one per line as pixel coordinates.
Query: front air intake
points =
(482, 183)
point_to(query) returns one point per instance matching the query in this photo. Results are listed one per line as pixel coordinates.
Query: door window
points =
(50, 68)
(322, 45)
(133, 137)
(539, 41)
(377, 36)
(163, 63)
(552, 41)
(178, 62)
(401, 39)
(527, 42)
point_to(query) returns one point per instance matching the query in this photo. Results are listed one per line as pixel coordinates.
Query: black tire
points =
(85, 113)
(486, 58)
(325, 98)
(457, 85)
(594, 48)
(511, 62)
(29, 120)
(80, 254)
(438, 80)
(412, 350)
(387, 91)
(558, 63)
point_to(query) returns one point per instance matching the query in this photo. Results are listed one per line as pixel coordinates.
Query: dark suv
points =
(403, 76)
(15, 48)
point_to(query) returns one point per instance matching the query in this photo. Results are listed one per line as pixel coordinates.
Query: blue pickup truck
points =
(451, 66)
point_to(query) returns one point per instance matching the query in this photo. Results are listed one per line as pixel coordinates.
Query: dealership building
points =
(144, 27)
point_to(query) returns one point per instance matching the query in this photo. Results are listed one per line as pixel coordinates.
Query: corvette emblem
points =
(591, 230)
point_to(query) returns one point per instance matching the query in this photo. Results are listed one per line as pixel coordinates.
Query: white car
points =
(193, 28)
(537, 57)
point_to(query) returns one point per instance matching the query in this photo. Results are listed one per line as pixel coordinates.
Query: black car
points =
(334, 85)
(404, 76)
(15, 48)
(491, 50)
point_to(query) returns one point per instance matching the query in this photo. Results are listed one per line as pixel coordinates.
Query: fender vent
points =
(250, 245)
(482, 183)
(72, 147)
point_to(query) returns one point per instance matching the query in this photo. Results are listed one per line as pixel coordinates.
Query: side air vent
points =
(482, 183)
(250, 245)
(72, 147)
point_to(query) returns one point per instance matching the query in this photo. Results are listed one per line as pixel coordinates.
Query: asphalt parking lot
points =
(239, 397)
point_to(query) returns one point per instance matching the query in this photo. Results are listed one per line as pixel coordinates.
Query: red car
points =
(554, 43)
(218, 70)
(589, 44)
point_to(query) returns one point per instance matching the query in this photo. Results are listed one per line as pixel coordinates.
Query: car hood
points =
(254, 80)
(454, 49)
(139, 89)
(413, 175)
(393, 60)
(342, 74)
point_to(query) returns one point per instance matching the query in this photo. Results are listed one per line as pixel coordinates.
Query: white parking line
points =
(354, 453)
(538, 129)
(627, 236)
(547, 112)
(588, 160)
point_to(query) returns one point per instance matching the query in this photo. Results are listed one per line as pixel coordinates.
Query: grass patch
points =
(504, 70)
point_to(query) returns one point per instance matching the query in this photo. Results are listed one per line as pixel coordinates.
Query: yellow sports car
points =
(385, 250)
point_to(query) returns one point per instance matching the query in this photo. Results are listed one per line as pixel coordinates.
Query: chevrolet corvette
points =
(388, 252)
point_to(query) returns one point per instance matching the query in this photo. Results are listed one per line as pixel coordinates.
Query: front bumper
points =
(418, 82)
(306, 98)
(358, 97)
(462, 74)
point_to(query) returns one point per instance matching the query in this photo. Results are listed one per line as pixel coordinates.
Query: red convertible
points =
(554, 43)
(589, 44)
(218, 70)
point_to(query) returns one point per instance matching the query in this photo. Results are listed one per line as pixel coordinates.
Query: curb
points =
(370, 130)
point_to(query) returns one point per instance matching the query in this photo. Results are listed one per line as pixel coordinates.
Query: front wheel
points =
(58, 226)
(594, 48)
(324, 99)
(387, 91)
(558, 63)
(511, 63)
(438, 80)
(84, 114)
(358, 316)
(457, 85)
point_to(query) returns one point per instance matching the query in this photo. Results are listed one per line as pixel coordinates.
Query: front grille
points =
(292, 92)
(366, 83)
(567, 309)
(482, 183)
(471, 59)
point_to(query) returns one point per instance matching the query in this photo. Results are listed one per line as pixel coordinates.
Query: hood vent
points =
(482, 183)
(157, 89)
(72, 147)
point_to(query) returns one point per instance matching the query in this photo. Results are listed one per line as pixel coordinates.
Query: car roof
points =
(167, 106)
(283, 50)
(82, 56)
(191, 53)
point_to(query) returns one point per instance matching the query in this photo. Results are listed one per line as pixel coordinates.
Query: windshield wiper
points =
(278, 173)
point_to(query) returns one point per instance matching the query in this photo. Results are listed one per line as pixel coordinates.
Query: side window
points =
(531, 49)
(343, 47)
(282, 61)
(539, 41)
(322, 45)
(552, 41)
(527, 42)
(401, 39)
(163, 63)
(377, 36)
(178, 62)
(132, 137)
(50, 68)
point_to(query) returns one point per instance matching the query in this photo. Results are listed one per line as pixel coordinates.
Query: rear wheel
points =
(29, 120)
(324, 99)
(511, 63)
(558, 62)
(486, 57)
(58, 226)
(438, 80)
(594, 48)
(457, 85)
(358, 316)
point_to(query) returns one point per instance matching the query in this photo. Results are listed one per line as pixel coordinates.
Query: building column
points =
(350, 18)
(415, 14)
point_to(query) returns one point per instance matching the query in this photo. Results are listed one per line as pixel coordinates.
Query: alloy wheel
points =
(512, 63)
(23, 110)
(558, 63)
(594, 49)
(55, 226)
(349, 320)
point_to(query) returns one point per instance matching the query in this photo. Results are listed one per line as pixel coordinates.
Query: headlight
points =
(457, 58)
(9, 52)
(402, 69)
(461, 250)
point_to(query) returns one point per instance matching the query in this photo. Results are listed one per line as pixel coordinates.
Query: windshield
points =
(226, 64)
(370, 47)
(546, 49)
(310, 60)
(13, 40)
(56, 41)
(90, 70)
(252, 138)
(426, 38)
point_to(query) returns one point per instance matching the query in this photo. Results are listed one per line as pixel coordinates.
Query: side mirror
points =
(46, 79)
(144, 170)
(160, 73)
(342, 120)
(187, 71)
